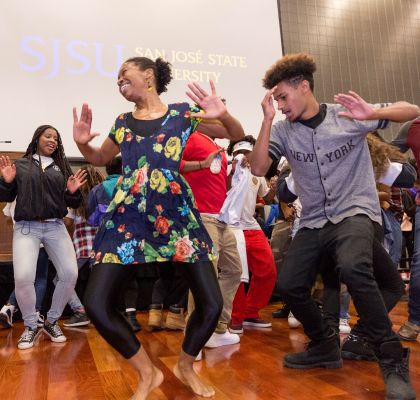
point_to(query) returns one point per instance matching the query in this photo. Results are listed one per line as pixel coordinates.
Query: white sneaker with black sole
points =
(6, 316)
(26, 341)
(54, 332)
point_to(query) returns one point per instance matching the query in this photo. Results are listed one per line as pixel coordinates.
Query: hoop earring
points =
(149, 86)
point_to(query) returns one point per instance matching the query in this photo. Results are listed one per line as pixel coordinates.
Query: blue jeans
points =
(27, 236)
(344, 303)
(40, 281)
(414, 291)
(396, 248)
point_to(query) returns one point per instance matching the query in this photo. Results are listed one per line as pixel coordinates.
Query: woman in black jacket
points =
(44, 185)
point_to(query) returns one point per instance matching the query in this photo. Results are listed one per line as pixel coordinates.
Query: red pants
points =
(261, 264)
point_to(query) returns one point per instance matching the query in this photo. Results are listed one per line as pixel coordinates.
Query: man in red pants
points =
(258, 252)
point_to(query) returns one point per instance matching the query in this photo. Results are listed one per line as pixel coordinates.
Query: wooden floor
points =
(85, 367)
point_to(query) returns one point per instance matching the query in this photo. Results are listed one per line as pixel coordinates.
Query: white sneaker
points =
(222, 339)
(199, 357)
(27, 339)
(344, 326)
(39, 319)
(6, 316)
(293, 322)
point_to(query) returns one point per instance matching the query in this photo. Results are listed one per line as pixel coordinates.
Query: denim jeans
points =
(396, 248)
(27, 236)
(349, 243)
(40, 281)
(344, 302)
(74, 302)
(414, 291)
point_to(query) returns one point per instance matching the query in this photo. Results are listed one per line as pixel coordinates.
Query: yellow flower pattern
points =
(157, 181)
(173, 148)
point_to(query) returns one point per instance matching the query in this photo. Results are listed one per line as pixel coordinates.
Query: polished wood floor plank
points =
(101, 351)
(87, 368)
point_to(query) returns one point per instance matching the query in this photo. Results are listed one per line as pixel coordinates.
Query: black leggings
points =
(107, 283)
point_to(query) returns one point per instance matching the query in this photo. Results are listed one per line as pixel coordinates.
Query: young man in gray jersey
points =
(330, 162)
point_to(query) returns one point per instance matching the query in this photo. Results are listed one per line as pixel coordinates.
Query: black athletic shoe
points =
(393, 362)
(79, 318)
(356, 348)
(324, 353)
(130, 316)
(281, 312)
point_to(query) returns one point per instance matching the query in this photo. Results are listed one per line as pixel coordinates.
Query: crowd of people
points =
(336, 193)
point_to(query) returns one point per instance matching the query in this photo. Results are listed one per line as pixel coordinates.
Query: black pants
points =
(162, 286)
(350, 245)
(108, 281)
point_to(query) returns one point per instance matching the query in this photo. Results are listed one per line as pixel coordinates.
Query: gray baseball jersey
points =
(331, 166)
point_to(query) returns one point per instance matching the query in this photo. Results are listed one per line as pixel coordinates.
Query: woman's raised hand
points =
(7, 169)
(76, 180)
(81, 127)
(211, 104)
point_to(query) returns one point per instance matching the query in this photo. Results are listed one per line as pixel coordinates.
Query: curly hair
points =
(292, 68)
(247, 138)
(93, 178)
(58, 156)
(161, 70)
(381, 154)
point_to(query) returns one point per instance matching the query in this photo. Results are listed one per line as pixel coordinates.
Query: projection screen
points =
(59, 54)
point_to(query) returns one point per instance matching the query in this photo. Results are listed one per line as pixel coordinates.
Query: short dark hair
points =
(293, 69)
(161, 70)
(114, 167)
(247, 138)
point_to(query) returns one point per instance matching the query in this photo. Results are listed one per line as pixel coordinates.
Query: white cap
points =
(243, 145)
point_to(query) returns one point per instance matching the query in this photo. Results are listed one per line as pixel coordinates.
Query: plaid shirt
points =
(83, 240)
(396, 203)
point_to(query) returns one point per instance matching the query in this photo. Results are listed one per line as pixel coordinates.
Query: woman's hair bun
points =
(163, 75)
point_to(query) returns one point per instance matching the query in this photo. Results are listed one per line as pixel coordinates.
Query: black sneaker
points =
(54, 331)
(130, 316)
(79, 318)
(356, 348)
(324, 353)
(26, 341)
(281, 312)
(393, 362)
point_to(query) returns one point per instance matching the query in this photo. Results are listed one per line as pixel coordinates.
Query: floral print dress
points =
(152, 215)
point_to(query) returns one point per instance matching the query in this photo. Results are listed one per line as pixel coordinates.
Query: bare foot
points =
(147, 384)
(187, 373)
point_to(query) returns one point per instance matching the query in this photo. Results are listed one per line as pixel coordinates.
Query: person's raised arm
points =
(216, 120)
(400, 111)
(260, 161)
(97, 156)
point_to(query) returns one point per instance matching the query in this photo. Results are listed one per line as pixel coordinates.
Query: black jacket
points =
(56, 198)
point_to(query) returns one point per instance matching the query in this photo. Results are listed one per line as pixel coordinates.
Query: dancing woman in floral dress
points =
(152, 216)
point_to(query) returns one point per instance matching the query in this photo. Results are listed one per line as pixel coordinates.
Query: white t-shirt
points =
(257, 185)
(45, 161)
(76, 218)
